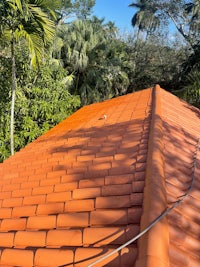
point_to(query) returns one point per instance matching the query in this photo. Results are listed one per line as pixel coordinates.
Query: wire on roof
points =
(177, 203)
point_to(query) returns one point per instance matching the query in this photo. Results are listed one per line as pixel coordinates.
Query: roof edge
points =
(153, 246)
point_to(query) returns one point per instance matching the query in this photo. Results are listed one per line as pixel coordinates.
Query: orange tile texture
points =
(77, 191)
(174, 135)
(182, 131)
(97, 179)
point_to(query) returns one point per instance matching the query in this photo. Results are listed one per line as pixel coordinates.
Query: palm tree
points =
(193, 11)
(97, 60)
(83, 8)
(145, 18)
(81, 41)
(27, 20)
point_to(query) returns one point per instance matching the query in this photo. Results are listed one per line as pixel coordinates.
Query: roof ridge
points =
(153, 246)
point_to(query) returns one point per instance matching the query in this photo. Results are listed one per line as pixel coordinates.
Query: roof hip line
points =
(153, 246)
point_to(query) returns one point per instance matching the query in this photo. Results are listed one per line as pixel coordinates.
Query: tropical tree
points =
(192, 9)
(185, 16)
(25, 20)
(182, 13)
(191, 91)
(145, 19)
(78, 9)
(42, 100)
(83, 8)
(96, 59)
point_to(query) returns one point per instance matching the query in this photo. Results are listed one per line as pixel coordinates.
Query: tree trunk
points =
(14, 85)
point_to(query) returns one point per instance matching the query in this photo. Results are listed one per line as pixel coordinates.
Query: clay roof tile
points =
(98, 179)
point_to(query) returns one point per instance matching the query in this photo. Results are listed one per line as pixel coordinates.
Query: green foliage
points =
(79, 9)
(42, 100)
(191, 92)
(25, 20)
(183, 14)
(156, 62)
(83, 8)
(29, 20)
(174, 67)
(98, 60)
(5, 79)
(146, 18)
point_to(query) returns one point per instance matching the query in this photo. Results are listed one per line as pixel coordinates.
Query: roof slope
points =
(172, 171)
(100, 177)
(76, 192)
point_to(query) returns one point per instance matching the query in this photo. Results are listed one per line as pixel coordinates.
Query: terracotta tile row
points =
(81, 257)
(82, 163)
(102, 216)
(57, 238)
(93, 198)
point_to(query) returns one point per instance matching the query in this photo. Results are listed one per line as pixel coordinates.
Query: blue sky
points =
(116, 11)
(119, 12)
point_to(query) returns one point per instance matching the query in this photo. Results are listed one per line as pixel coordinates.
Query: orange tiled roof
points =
(100, 177)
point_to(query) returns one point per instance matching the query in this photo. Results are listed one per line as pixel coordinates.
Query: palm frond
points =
(35, 44)
(135, 5)
(46, 25)
(15, 4)
(48, 6)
